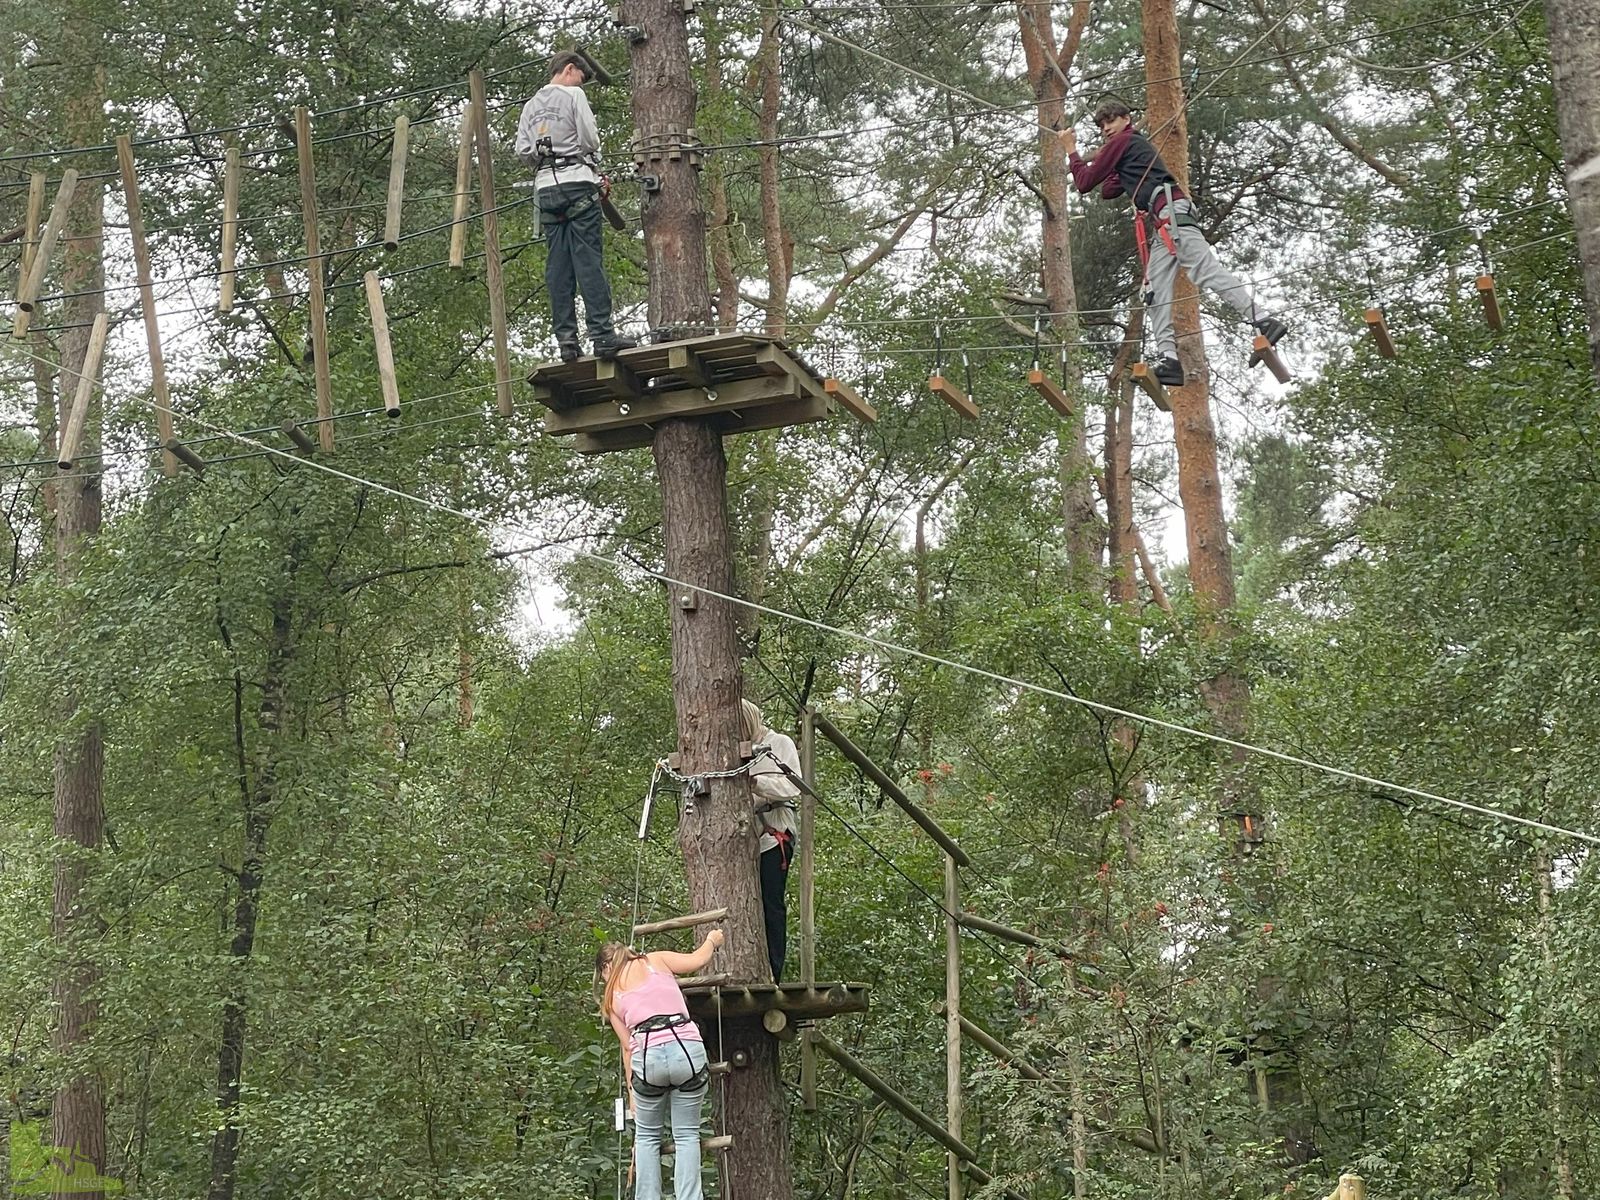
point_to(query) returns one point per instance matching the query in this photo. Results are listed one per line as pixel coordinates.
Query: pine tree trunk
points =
(1574, 27)
(717, 832)
(717, 188)
(78, 1115)
(779, 261)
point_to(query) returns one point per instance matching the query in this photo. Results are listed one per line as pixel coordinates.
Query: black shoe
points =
(609, 346)
(570, 350)
(1169, 372)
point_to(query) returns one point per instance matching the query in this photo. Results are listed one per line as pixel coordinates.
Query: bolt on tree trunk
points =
(717, 837)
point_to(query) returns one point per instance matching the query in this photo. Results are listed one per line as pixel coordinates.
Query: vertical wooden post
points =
(808, 902)
(230, 228)
(30, 249)
(318, 299)
(1352, 1187)
(34, 280)
(397, 183)
(458, 231)
(952, 1023)
(380, 340)
(147, 300)
(88, 376)
(494, 274)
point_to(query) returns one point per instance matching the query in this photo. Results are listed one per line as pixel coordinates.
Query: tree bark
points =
(1574, 27)
(779, 255)
(717, 187)
(1084, 534)
(717, 832)
(78, 1115)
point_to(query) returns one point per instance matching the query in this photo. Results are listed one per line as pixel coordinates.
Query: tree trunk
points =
(1047, 74)
(717, 832)
(78, 1115)
(717, 187)
(259, 798)
(1123, 585)
(779, 260)
(1566, 1185)
(1574, 27)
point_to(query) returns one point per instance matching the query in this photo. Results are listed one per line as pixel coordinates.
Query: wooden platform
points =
(742, 381)
(795, 1001)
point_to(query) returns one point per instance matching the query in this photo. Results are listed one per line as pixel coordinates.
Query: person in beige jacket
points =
(775, 797)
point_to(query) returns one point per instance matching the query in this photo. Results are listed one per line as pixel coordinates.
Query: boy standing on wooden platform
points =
(1127, 164)
(558, 138)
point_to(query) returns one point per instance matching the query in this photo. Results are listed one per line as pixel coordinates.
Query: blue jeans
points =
(668, 1063)
(574, 259)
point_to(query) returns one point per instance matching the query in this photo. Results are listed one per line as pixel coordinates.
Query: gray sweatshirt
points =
(563, 115)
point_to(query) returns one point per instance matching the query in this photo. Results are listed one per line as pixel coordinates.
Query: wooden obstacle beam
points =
(230, 229)
(298, 436)
(709, 917)
(873, 1083)
(720, 1144)
(88, 374)
(971, 920)
(1351, 1187)
(1265, 352)
(318, 299)
(494, 272)
(1491, 302)
(1379, 328)
(1147, 382)
(380, 340)
(953, 396)
(458, 226)
(147, 299)
(1054, 395)
(28, 292)
(186, 456)
(850, 399)
(397, 184)
(30, 248)
(890, 789)
(709, 997)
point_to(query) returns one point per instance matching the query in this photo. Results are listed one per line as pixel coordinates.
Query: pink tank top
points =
(658, 996)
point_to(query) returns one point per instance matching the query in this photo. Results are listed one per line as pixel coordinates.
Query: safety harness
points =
(652, 1091)
(1168, 217)
(546, 156)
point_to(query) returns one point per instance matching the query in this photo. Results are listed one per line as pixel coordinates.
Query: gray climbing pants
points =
(1199, 261)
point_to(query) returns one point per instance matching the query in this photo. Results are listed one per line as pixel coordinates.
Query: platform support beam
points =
(952, 1024)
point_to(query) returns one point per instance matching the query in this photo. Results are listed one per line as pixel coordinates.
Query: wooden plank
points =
(953, 396)
(851, 399)
(890, 789)
(30, 248)
(971, 920)
(88, 376)
(186, 456)
(688, 366)
(1052, 392)
(28, 293)
(709, 917)
(230, 228)
(808, 900)
(298, 436)
(397, 183)
(1491, 302)
(1352, 1187)
(748, 419)
(147, 299)
(1380, 332)
(458, 228)
(1151, 386)
(1265, 352)
(952, 1023)
(380, 340)
(494, 269)
(618, 379)
(648, 410)
(314, 260)
(774, 360)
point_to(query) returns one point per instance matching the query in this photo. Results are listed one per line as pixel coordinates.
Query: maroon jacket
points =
(1126, 163)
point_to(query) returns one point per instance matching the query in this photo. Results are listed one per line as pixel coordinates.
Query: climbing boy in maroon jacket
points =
(1127, 164)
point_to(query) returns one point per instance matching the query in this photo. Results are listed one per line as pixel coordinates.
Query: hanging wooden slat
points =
(1491, 302)
(230, 228)
(953, 396)
(380, 338)
(88, 377)
(314, 261)
(458, 231)
(1265, 352)
(397, 183)
(1379, 329)
(1054, 395)
(28, 293)
(30, 248)
(1151, 386)
(495, 272)
(147, 298)
(851, 399)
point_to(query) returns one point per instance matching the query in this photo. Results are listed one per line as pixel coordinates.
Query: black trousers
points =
(570, 216)
(774, 906)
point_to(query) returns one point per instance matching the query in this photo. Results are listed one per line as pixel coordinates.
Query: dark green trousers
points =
(569, 214)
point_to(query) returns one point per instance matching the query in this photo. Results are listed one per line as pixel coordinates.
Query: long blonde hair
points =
(609, 961)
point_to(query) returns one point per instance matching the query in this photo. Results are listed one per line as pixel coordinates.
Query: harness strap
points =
(641, 1082)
